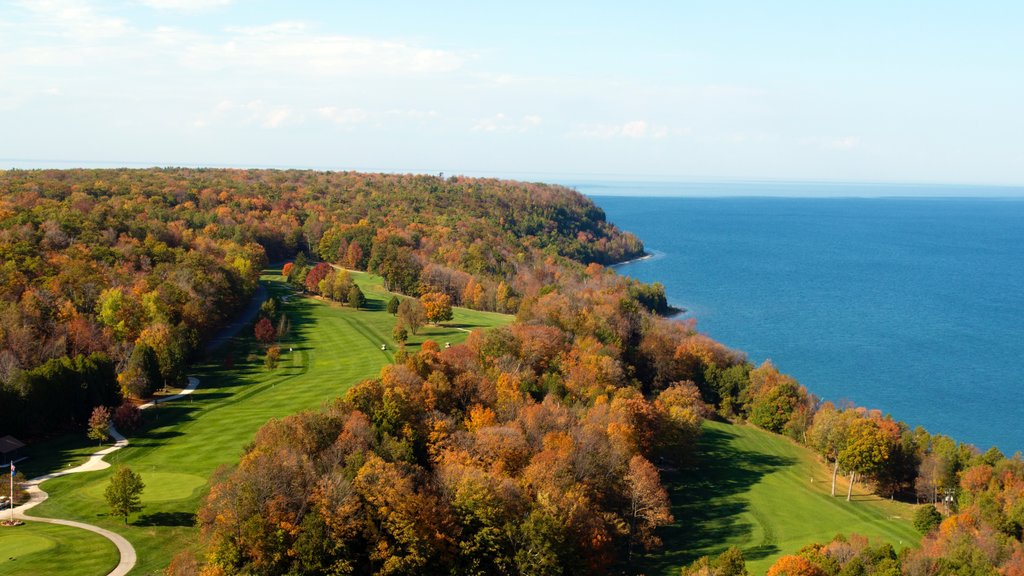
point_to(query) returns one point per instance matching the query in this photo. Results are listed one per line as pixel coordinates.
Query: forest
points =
(531, 449)
(129, 271)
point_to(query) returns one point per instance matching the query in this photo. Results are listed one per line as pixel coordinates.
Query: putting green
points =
(160, 486)
(43, 549)
(14, 545)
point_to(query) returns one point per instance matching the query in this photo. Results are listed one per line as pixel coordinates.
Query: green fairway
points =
(770, 497)
(37, 549)
(330, 348)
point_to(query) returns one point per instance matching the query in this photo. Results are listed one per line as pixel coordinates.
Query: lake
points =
(910, 305)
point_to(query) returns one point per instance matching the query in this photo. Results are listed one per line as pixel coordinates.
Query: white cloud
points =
(634, 129)
(293, 47)
(345, 116)
(502, 123)
(185, 5)
(255, 112)
(76, 19)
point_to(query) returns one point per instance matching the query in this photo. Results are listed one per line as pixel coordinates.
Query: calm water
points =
(913, 306)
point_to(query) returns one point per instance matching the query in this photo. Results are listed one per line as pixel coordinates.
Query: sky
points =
(910, 91)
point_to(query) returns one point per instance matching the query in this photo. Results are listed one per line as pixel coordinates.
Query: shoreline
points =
(646, 256)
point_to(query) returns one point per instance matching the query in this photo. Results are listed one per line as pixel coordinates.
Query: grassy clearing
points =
(770, 497)
(38, 549)
(330, 348)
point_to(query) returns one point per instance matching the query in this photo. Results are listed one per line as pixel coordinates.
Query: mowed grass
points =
(37, 549)
(770, 497)
(330, 348)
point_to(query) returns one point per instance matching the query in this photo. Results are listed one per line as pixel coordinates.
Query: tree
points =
(315, 275)
(356, 299)
(273, 356)
(142, 375)
(866, 449)
(99, 422)
(927, 518)
(265, 331)
(438, 306)
(127, 417)
(794, 566)
(393, 305)
(124, 492)
(828, 435)
(728, 563)
(648, 503)
(411, 314)
(400, 334)
(354, 255)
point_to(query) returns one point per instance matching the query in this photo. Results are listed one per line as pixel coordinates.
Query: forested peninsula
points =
(538, 447)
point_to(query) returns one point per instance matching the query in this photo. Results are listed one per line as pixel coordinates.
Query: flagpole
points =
(12, 492)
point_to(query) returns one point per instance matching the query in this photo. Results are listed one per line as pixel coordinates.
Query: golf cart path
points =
(95, 462)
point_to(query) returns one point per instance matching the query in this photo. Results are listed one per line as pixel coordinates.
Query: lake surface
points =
(910, 305)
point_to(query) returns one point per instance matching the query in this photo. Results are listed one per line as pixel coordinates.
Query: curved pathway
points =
(94, 463)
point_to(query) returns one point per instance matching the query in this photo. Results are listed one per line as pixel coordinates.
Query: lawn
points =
(37, 549)
(330, 348)
(770, 497)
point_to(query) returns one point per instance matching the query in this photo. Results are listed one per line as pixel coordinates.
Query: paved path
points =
(94, 463)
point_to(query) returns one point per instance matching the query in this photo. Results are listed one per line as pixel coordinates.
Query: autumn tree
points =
(828, 435)
(773, 398)
(437, 307)
(99, 423)
(792, 565)
(127, 417)
(124, 492)
(264, 331)
(315, 275)
(272, 357)
(648, 504)
(393, 304)
(682, 412)
(866, 449)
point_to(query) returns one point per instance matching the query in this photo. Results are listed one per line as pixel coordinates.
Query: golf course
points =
(745, 487)
(768, 496)
(330, 347)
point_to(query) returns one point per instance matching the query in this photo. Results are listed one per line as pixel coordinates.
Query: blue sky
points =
(724, 90)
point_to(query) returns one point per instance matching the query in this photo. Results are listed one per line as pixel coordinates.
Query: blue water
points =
(913, 306)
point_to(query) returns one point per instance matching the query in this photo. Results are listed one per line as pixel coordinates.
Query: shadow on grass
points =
(221, 372)
(708, 504)
(166, 519)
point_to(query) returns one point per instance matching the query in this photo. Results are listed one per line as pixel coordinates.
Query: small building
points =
(10, 450)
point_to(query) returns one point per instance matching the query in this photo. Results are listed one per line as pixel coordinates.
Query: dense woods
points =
(128, 271)
(531, 449)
